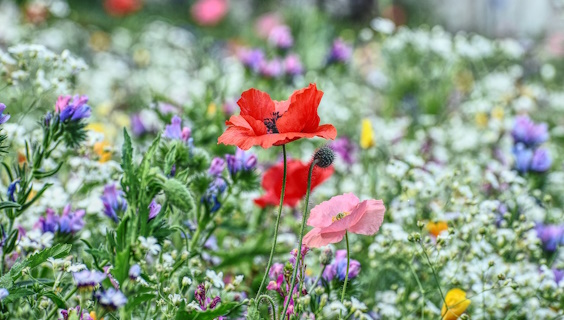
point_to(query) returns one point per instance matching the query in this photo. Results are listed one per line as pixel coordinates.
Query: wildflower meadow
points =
(247, 159)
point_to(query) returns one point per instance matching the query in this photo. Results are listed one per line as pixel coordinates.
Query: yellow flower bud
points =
(456, 304)
(366, 135)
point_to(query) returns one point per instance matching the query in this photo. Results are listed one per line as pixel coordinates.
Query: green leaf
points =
(46, 174)
(146, 162)
(139, 299)
(220, 310)
(58, 300)
(9, 205)
(170, 159)
(18, 293)
(121, 271)
(179, 195)
(127, 155)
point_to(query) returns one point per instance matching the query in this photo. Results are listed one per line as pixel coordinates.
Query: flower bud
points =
(186, 282)
(324, 157)
(326, 256)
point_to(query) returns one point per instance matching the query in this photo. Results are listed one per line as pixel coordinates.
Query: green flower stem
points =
(348, 265)
(275, 229)
(272, 305)
(435, 275)
(67, 297)
(317, 279)
(300, 236)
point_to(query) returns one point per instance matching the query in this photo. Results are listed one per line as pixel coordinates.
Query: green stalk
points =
(275, 229)
(300, 236)
(347, 275)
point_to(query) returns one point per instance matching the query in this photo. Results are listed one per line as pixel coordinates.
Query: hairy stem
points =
(348, 265)
(275, 229)
(300, 236)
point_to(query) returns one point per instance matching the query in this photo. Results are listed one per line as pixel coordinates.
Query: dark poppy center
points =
(270, 123)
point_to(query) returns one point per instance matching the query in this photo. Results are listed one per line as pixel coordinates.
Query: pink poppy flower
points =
(209, 12)
(332, 218)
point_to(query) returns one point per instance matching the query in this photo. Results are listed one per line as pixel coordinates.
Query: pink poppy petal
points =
(370, 221)
(321, 216)
(315, 238)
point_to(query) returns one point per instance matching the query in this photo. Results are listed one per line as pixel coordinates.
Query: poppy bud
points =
(324, 157)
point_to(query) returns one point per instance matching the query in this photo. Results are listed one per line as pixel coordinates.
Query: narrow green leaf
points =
(9, 205)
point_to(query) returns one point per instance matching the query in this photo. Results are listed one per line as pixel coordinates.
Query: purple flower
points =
(215, 301)
(541, 160)
(551, 236)
(3, 117)
(281, 37)
(340, 52)
(329, 273)
(111, 299)
(71, 222)
(293, 65)
(75, 314)
(523, 157)
(137, 126)
(251, 58)
(276, 270)
(87, 280)
(558, 275)
(216, 166)
(12, 190)
(3, 293)
(271, 68)
(200, 296)
(175, 131)
(345, 149)
(354, 269)
(75, 110)
(242, 160)
(50, 222)
(113, 201)
(529, 133)
(134, 272)
(154, 209)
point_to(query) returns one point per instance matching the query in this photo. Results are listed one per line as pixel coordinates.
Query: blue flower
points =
(12, 190)
(541, 160)
(527, 132)
(154, 209)
(3, 117)
(113, 201)
(134, 272)
(245, 161)
(75, 110)
(175, 131)
(216, 166)
(523, 157)
(3, 293)
(111, 299)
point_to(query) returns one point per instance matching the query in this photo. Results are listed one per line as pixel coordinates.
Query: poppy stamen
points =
(270, 123)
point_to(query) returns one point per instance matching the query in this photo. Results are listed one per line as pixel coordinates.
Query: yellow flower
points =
(497, 113)
(366, 134)
(457, 304)
(435, 228)
(101, 149)
(481, 119)
(212, 109)
(96, 127)
(93, 316)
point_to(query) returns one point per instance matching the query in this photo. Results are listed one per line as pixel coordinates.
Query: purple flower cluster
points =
(113, 201)
(204, 301)
(86, 280)
(281, 37)
(344, 147)
(289, 64)
(74, 110)
(527, 137)
(550, 235)
(240, 161)
(69, 222)
(111, 299)
(282, 278)
(175, 131)
(338, 269)
(3, 117)
(340, 52)
(75, 314)
(216, 187)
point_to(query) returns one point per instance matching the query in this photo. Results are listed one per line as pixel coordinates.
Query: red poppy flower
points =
(296, 182)
(121, 7)
(268, 123)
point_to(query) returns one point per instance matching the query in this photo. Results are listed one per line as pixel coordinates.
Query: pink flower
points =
(266, 23)
(332, 218)
(209, 12)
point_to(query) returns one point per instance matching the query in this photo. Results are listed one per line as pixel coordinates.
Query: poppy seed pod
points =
(324, 157)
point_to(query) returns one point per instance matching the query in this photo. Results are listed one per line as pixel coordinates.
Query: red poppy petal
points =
(257, 125)
(302, 112)
(256, 104)
(238, 121)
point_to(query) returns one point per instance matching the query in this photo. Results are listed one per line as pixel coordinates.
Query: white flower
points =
(150, 244)
(215, 278)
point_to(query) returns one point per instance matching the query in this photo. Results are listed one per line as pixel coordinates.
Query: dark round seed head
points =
(324, 157)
